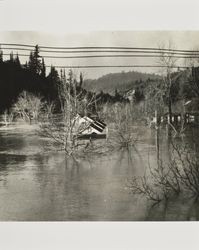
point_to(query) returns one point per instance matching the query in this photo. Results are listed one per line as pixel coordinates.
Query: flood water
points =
(40, 185)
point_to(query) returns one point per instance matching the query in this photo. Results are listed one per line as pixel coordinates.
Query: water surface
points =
(40, 185)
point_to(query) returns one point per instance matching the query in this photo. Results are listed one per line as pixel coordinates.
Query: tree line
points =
(32, 77)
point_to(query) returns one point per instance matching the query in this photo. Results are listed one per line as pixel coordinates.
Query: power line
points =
(110, 56)
(113, 66)
(166, 50)
(103, 51)
(17, 44)
(146, 52)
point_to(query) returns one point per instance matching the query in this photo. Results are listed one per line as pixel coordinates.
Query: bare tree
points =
(154, 103)
(8, 117)
(193, 60)
(75, 103)
(28, 106)
(49, 108)
(179, 175)
(168, 63)
(122, 119)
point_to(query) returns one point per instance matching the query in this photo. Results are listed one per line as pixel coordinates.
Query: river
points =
(41, 185)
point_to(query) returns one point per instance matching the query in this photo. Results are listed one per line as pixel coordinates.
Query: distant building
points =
(129, 94)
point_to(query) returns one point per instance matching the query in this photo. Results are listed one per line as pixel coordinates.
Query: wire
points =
(114, 66)
(100, 47)
(17, 44)
(146, 52)
(110, 56)
(102, 51)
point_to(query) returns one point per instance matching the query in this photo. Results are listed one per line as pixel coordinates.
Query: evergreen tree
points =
(35, 64)
(117, 95)
(80, 80)
(53, 83)
(26, 65)
(11, 56)
(53, 75)
(61, 73)
(43, 68)
(17, 61)
(31, 60)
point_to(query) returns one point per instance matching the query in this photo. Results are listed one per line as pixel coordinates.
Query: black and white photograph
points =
(97, 125)
(91, 132)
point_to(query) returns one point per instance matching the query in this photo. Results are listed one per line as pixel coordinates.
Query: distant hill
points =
(120, 81)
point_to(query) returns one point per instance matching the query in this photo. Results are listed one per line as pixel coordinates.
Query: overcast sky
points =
(79, 23)
(180, 39)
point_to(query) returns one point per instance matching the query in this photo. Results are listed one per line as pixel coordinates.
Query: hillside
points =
(120, 81)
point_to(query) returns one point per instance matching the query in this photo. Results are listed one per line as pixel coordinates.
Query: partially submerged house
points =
(88, 127)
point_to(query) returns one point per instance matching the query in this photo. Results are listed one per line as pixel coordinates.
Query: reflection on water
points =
(179, 209)
(40, 185)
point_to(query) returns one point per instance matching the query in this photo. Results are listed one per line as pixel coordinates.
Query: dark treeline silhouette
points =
(32, 77)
